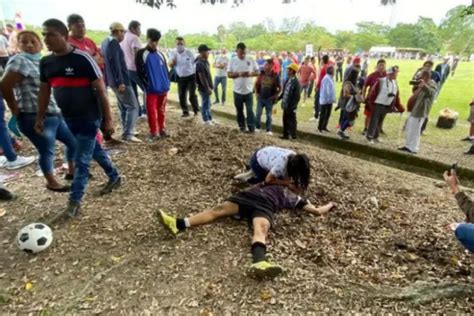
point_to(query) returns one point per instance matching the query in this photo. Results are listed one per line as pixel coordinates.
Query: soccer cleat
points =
(265, 269)
(168, 222)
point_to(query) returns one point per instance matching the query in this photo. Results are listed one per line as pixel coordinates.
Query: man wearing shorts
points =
(258, 205)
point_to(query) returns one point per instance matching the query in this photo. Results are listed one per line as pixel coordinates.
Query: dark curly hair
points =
(299, 170)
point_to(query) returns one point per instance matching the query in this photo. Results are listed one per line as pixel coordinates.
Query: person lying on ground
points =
(464, 232)
(276, 165)
(258, 205)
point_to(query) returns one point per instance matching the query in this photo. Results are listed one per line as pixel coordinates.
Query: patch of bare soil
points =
(384, 249)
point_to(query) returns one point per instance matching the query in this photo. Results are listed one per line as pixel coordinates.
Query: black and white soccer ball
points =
(34, 238)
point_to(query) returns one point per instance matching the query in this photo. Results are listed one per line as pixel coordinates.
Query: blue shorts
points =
(260, 173)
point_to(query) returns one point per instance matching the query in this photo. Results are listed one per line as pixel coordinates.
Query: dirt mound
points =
(386, 235)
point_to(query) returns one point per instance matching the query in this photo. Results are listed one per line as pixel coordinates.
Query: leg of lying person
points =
(260, 266)
(175, 225)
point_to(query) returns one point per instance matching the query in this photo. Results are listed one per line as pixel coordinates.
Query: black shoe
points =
(382, 132)
(285, 137)
(470, 151)
(216, 102)
(250, 131)
(6, 195)
(467, 139)
(63, 189)
(405, 149)
(73, 209)
(320, 130)
(185, 115)
(110, 186)
(164, 134)
(326, 130)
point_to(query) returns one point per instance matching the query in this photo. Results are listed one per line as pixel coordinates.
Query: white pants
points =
(413, 133)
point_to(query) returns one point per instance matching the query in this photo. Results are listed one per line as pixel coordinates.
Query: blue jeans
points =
(239, 101)
(55, 128)
(129, 110)
(206, 106)
(260, 173)
(88, 148)
(223, 82)
(268, 105)
(5, 138)
(465, 234)
(136, 82)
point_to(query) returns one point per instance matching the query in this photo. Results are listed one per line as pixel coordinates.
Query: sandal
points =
(65, 188)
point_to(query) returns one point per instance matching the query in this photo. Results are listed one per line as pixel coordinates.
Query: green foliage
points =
(457, 31)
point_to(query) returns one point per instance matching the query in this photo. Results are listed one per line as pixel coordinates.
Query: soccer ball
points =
(34, 238)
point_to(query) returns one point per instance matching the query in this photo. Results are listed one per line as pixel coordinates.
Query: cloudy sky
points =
(192, 17)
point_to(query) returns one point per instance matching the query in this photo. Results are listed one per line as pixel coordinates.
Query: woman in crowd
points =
(349, 102)
(20, 87)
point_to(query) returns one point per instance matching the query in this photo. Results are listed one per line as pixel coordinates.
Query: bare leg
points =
(226, 209)
(261, 226)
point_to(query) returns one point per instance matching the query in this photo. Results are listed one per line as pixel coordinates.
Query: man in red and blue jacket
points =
(153, 72)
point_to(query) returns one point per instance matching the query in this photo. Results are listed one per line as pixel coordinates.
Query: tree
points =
(221, 33)
(158, 4)
(426, 35)
(457, 31)
(403, 35)
(370, 34)
(345, 40)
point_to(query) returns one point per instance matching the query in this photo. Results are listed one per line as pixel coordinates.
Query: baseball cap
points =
(203, 48)
(356, 60)
(392, 70)
(293, 67)
(116, 26)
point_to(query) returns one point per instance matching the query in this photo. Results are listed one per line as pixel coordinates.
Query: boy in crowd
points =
(267, 88)
(289, 102)
(204, 83)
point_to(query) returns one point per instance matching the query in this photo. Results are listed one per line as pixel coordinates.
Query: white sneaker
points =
(207, 123)
(3, 161)
(246, 176)
(269, 133)
(371, 142)
(378, 140)
(257, 130)
(214, 122)
(312, 119)
(133, 139)
(20, 162)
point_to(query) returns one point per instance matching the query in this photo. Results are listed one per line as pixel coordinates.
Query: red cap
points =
(356, 60)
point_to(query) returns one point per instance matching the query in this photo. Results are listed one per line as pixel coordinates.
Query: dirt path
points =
(117, 260)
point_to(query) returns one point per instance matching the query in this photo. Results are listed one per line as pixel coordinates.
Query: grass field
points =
(456, 94)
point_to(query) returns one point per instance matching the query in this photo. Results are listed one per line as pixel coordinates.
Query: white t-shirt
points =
(184, 63)
(275, 160)
(243, 85)
(222, 72)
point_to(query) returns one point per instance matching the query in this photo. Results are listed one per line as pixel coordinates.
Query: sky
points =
(192, 17)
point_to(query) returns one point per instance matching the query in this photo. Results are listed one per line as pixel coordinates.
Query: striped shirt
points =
(26, 91)
(71, 76)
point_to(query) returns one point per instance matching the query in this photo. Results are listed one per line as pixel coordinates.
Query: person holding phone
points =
(464, 232)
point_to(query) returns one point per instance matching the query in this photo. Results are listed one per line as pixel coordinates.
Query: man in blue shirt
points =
(118, 78)
(153, 72)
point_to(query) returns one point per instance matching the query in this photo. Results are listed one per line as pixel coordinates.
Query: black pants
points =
(376, 120)
(188, 85)
(310, 89)
(339, 74)
(317, 107)
(241, 101)
(289, 123)
(3, 62)
(324, 116)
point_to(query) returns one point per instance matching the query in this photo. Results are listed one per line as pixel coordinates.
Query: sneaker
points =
(250, 132)
(133, 139)
(245, 176)
(223, 103)
(467, 139)
(6, 195)
(3, 161)
(110, 186)
(378, 140)
(185, 115)
(168, 222)
(164, 134)
(285, 137)
(312, 119)
(214, 122)
(20, 162)
(342, 134)
(269, 133)
(207, 123)
(73, 209)
(153, 138)
(112, 143)
(257, 130)
(216, 102)
(371, 141)
(265, 269)
(405, 149)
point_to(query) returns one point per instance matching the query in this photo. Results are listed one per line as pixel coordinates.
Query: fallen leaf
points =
(28, 286)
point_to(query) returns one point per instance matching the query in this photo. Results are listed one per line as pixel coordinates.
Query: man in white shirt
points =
(183, 62)
(242, 69)
(221, 63)
(130, 46)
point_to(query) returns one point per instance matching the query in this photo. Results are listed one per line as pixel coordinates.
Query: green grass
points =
(456, 94)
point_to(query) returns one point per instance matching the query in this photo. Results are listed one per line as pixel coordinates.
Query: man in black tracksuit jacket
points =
(290, 98)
